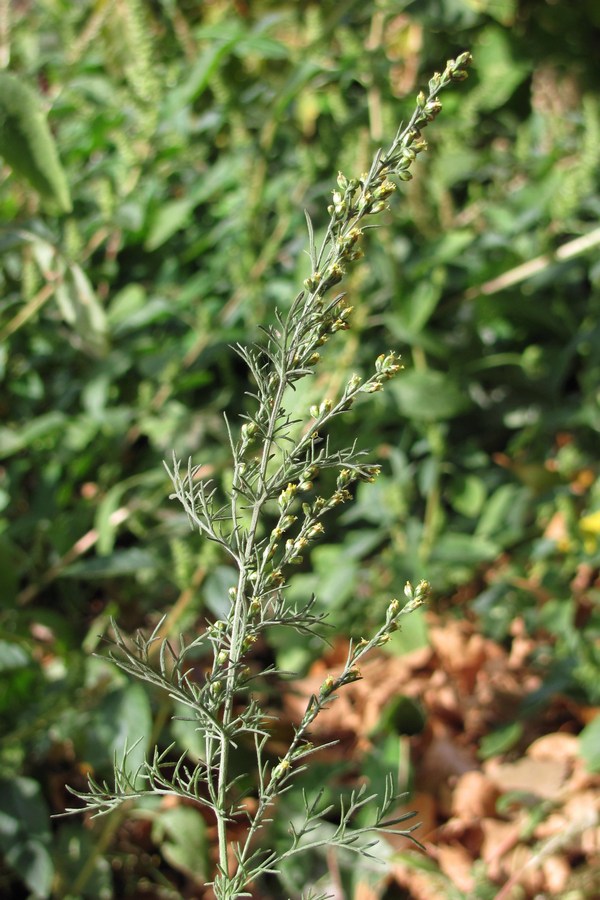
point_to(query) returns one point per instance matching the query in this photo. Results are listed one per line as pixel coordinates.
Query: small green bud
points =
(248, 431)
(222, 657)
(345, 241)
(423, 590)
(333, 275)
(304, 749)
(339, 325)
(326, 687)
(315, 529)
(432, 109)
(280, 769)
(286, 496)
(353, 674)
(385, 190)
(248, 641)
(313, 281)
(342, 181)
(387, 365)
(369, 473)
(434, 82)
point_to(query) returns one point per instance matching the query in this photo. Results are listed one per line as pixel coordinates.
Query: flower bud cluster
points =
(385, 368)
(286, 497)
(248, 434)
(327, 687)
(419, 594)
(319, 411)
(355, 198)
(283, 766)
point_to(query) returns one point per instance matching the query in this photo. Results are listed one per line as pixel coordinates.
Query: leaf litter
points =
(516, 821)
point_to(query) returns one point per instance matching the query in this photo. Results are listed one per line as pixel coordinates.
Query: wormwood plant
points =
(271, 516)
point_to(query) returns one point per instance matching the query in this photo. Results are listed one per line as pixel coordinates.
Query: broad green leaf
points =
(25, 833)
(76, 849)
(107, 530)
(589, 745)
(412, 634)
(186, 732)
(502, 10)
(208, 63)
(401, 715)
(121, 725)
(464, 549)
(501, 740)
(500, 73)
(428, 396)
(82, 308)
(44, 426)
(12, 656)
(126, 303)
(173, 215)
(27, 144)
(122, 562)
(180, 833)
(467, 495)
(501, 516)
(261, 45)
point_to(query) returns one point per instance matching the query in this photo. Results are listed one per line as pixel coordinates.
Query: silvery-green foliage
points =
(276, 464)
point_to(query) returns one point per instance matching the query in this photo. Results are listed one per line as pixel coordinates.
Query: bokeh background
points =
(192, 136)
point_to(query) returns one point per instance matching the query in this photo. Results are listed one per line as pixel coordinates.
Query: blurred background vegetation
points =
(192, 136)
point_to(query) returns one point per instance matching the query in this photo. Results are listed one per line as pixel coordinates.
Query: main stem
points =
(240, 610)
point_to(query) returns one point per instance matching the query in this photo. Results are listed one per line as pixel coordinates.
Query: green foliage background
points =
(192, 136)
